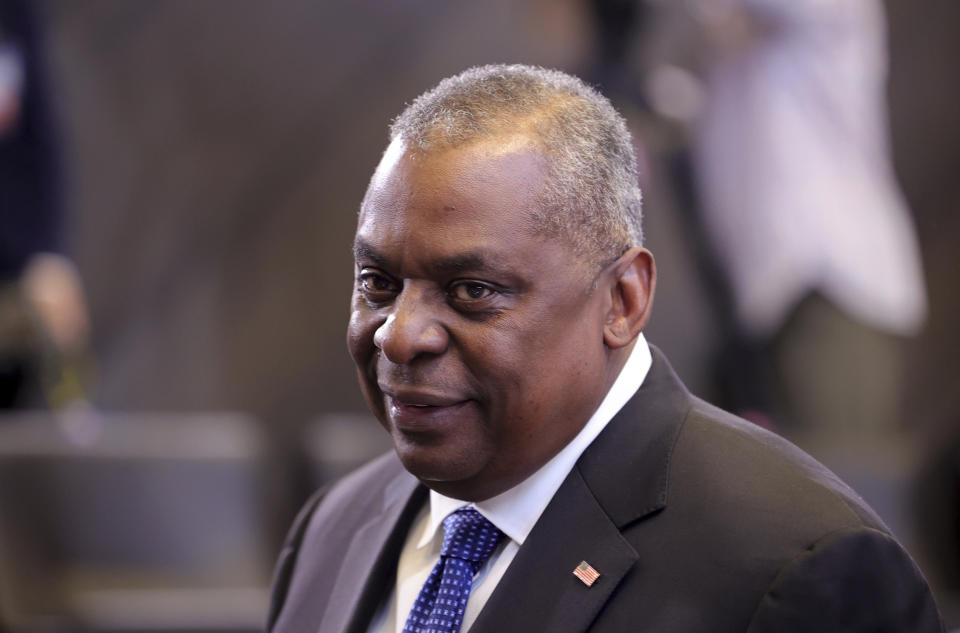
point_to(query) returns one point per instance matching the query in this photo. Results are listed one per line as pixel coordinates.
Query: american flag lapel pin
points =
(587, 574)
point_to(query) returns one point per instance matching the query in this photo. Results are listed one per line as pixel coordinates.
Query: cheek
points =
(507, 360)
(360, 331)
(526, 364)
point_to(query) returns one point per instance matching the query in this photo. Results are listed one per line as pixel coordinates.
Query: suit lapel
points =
(539, 591)
(371, 559)
(620, 479)
(627, 467)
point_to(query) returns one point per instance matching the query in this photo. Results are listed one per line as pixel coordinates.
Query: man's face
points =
(478, 342)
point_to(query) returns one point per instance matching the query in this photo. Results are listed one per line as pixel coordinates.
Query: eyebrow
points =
(471, 261)
(362, 250)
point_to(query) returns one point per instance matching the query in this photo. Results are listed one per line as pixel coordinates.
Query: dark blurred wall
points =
(925, 119)
(218, 155)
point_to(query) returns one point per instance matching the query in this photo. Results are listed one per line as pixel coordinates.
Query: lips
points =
(421, 411)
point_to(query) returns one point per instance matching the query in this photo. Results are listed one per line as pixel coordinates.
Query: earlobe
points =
(632, 288)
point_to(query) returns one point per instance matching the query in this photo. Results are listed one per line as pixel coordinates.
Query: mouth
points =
(413, 411)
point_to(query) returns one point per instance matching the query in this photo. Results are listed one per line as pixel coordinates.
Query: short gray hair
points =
(591, 197)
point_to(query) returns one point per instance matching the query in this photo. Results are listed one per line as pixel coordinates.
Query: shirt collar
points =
(515, 511)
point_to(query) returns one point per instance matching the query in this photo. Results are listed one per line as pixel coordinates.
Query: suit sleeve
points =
(853, 580)
(288, 557)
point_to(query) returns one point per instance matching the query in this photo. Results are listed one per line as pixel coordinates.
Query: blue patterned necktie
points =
(468, 541)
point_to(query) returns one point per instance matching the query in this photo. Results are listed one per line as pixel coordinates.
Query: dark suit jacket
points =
(696, 521)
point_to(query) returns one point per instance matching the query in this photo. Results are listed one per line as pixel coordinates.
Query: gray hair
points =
(590, 197)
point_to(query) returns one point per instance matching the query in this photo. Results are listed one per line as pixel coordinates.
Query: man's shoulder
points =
(366, 479)
(320, 538)
(718, 475)
(749, 531)
(357, 494)
(742, 471)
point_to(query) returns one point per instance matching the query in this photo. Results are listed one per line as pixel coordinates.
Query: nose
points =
(412, 328)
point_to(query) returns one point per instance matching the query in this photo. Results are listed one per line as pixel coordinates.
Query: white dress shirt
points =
(514, 511)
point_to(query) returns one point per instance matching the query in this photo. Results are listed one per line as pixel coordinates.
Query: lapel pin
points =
(587, 574)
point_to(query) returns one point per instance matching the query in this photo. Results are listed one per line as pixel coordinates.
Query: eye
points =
(470, 291)
(376, 286)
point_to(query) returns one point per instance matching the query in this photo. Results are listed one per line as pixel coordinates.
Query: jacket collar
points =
(621, 478)
(627, 466)
(373, 552)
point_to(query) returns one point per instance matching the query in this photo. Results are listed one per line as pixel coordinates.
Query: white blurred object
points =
(793, 160)
(675, 92)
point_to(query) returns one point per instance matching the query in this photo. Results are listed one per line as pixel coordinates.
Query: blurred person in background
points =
(43, 314)
(798, 194)
(800, 227)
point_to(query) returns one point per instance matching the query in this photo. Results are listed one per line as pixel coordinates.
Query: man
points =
(501, 291)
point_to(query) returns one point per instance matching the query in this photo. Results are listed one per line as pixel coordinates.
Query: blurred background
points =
(179, 184)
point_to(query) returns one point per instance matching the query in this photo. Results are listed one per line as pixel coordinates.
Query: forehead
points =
(478, 196)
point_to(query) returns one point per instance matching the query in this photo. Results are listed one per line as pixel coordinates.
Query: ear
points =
(634, 278)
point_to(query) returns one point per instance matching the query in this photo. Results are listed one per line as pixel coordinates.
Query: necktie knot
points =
(469, 536)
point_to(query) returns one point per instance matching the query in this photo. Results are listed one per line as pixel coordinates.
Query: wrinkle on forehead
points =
(430, 210)
(489, 164)
(470, 197)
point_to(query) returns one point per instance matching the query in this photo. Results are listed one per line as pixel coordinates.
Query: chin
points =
(431, 465)
(440, 468)
(465, 480)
